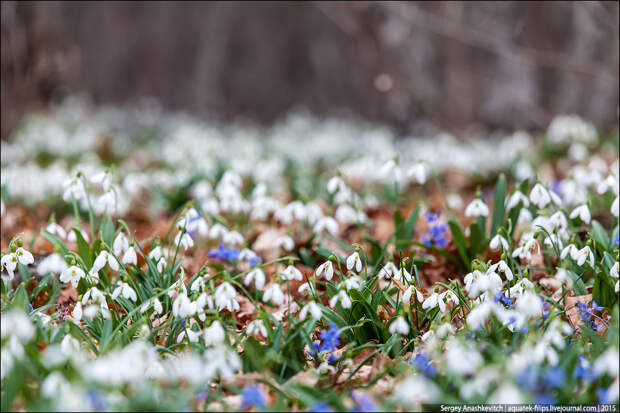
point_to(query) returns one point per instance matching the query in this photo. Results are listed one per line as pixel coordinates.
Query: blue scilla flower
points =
(422, 362)
(528, 378)
(223, 253)
(582, 371)
(430, 217)
(332, 359)
(95, 400)
(251, 396)
(330, 338)
(616, 240)
(321, 407)
(554, 377)
(363, 403)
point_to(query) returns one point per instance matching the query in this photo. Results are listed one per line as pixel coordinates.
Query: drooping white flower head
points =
(354, 261)
(126, 291)
(225, 297)
(73, 275)
(312, 308)
(183, 239)
(214, 334)
(583, 212)
(273, 293)
(341, 297)
(477, 208)
(326, 269)
(130, 256)
(285, 242)
(257, 275)
(120, 244)
(498, 242)
(399, 326)
(291, 273)
(255, 328)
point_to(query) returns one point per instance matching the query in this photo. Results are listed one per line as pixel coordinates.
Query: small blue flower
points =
(363, 403)
(616, 240)
(430, 217)
(332, 359)
(95, 399)
(423, 363)
(554, 377)
(321, 407)
(583, 373)
(251, 397)
(330, 338)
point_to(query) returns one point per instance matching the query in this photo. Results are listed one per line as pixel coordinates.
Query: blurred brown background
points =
(411, 65)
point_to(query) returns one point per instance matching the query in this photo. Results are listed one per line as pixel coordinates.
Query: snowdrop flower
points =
(613, 272)
(525, 249)
(161, 264)
(273, 293)
(77, 312)
(225, 297)
(569, 249)
(402, 274)
(584, 254)
(192, 335)
(155, 303)
(120, 244)
(334, 184)
(352, 282)
(515, 198)
(354, 261)
(130, 256)
(126, 291)
(615, 207)
(218, 231)
(388, 270)
(72, 274)
(488, 282)
(291, 273)
(74, 190)
(198, 284)
(524, 216)
(214, 333)
(502, 267)
(54, 228)
(583, 212)
(9, 263)
(609, 183)
(182, 306)
(328, 224)
(343, 298)
(103, 178)
(346, 215)
(454, 201)
(307, 288)
(257, 275)
(521, 287)
(183, 239)
(96, 295)
(104, 258)
(255, 328)
(71, 237)
(399, 326)
(285, 242)
(498, 242)
(155, 254)
(312, 308)
(418, 172)
(232, 238)
(326, 269)
(409, 292)
(24, 257)
(529, 304)
(433, 301)
(539, 195)
(477, 208)
(52, 264)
